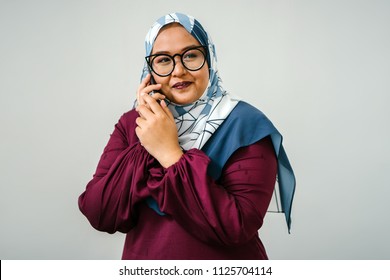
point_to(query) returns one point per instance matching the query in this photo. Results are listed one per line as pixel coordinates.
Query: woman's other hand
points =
(156, 130)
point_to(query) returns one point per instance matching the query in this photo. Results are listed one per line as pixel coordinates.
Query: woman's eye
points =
(162, 60)
(190, 55)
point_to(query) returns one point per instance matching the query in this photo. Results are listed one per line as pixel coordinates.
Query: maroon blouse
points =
(205, 219)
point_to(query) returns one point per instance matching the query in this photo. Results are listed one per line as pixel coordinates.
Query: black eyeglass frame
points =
(149, 59)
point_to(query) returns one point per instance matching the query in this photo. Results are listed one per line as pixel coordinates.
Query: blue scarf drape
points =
(245, 126)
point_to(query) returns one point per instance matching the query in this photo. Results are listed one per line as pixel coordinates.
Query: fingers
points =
(147, 88)
(141, 86)
(157, 95)
(151, 103)
(144, 112)
(149, 108)
(140, 122)
(166, 109)
(152, 108)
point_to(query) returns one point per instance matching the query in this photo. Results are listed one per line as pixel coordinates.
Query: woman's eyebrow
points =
(182, 50)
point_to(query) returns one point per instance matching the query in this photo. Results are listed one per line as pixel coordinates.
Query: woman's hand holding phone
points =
(156, 127)
(147, 86)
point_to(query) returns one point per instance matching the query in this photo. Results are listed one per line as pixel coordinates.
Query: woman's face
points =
(181, 86)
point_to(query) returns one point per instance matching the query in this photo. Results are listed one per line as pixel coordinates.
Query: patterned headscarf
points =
(195, 122)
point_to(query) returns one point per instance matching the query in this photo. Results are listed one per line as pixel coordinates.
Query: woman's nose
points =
(179, 67)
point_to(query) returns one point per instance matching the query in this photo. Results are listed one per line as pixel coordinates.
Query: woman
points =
(190, 172)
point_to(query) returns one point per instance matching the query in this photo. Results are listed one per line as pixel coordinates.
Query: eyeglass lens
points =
(192, 59)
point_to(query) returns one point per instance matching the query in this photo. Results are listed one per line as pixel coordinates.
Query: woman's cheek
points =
(166, 91)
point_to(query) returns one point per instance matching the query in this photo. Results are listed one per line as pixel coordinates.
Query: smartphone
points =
(153, 82)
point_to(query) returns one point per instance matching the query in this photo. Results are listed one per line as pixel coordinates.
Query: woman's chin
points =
(183, 98)
(182, 101)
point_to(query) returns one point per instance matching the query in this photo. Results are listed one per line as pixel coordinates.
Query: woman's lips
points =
(181, 85)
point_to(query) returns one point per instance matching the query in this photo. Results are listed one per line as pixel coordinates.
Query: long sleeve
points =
(228, 211)
(119, 182)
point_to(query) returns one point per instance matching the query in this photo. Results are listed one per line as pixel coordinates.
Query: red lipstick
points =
(181, 85)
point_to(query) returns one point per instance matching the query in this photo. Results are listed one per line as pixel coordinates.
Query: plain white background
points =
(319, 70)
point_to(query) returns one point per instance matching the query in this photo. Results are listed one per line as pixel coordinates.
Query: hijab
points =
(196, 122)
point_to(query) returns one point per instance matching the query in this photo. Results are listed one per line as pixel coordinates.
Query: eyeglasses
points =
(163, 65)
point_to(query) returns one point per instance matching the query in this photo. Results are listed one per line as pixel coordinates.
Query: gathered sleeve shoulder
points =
(110, 198)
